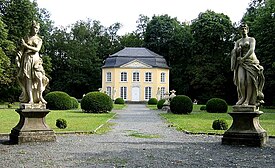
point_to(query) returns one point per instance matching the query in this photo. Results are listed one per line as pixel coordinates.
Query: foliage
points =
(171, 39)
(160, 103)
(203, 108)
(181, 104)
(75, 103)
(220, 124)
(152, 101)
(6, 47)
(96, 102)
(77, 53)
(58, 100)
(260, 18)
(61, 123)
(119, 100)
(216, 105)
(210, 68)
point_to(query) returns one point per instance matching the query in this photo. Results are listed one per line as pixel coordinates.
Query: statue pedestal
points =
(245, 129)
(32, 126)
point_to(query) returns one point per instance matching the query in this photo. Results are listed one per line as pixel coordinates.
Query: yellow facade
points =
(135, 89)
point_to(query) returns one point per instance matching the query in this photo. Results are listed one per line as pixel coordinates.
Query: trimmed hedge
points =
(96, 102)
(61, 123)
(220, 124)
(75, 103)
(119, 101)
(181, 104)
(160, 103)
(216, 105)
(153, 101)
(58, 100)
(203, 108)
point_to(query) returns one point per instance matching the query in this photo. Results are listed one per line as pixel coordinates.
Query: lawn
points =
(201, 121)
(77, 121)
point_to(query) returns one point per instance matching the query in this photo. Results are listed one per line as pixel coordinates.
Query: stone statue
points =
(248, 73)
(31, 74)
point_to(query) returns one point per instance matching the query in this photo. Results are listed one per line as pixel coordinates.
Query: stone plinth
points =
(246, 128)
(32, 126)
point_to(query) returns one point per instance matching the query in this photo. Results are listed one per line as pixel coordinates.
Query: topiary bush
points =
(220, 124)
(160, 103)
(153, 101)
(96, 102)
(61, 123)
(75, 103)
(181, 104)
(216, 105)
(58, 100)
(119, 101)
(203, 108)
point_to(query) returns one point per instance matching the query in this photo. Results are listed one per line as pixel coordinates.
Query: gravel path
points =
(167, 148)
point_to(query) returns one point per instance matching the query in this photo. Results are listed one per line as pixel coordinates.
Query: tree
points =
(77, 55)
(260, 17)
(168, 37)
(6, 47)
(210, 66)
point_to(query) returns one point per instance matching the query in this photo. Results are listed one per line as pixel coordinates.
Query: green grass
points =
(201, 121)
(77, 121)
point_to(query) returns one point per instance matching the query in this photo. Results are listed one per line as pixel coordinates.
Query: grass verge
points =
(77, 120)
(201, 121)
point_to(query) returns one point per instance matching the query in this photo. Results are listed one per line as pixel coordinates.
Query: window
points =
(123, 92)
(109, 91)
(148, 77)
(123, 76)
(162, 77)
(108, 77)
(148, 93)
(135, 76)
(162, 92)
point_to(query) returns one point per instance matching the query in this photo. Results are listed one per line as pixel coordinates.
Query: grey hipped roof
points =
(129, 54)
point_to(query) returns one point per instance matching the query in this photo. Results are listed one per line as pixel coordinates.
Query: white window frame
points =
(162, 77)
(108, 77)
(148, 76)
(109, 91)
(135, 76)
(123, 77)
(162, 92)
(148, 93)
(123, 92)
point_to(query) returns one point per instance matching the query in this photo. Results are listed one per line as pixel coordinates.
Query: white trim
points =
(136, 64)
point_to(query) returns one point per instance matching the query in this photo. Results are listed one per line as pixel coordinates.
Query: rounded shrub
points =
(216, 105)
(75, 103)
(61, 123)
(119, 101)
(181, 104)
(160, 103)
(96, 102)
(203, 108)
(58, 100)
(153, 101)
(220, 124)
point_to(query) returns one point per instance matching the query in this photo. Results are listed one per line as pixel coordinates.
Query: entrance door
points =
(135, 93)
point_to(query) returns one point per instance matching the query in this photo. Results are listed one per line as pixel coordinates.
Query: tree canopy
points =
(198, 52)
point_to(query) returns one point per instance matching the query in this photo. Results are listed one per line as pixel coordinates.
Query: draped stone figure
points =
(248, 73)
(31, 74)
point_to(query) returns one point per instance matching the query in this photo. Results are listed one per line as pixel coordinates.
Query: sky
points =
(126, 12)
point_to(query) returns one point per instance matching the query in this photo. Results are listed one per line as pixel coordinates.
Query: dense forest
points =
(197, 52)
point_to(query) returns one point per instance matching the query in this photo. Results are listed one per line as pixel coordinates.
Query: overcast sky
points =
(126, 12)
